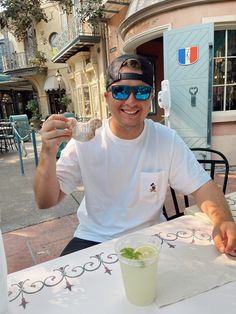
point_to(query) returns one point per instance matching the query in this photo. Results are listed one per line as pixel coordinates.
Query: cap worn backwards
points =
(132, 61)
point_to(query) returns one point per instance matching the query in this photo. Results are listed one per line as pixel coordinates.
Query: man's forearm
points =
(212, 202)
(46, 185)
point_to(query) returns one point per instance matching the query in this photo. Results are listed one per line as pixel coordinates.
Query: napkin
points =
(189, 262)
(3, 280)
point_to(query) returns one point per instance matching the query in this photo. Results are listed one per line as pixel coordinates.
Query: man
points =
(126, 167)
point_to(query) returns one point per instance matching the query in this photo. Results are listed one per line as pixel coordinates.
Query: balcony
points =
(77, 37)
(112, 7)
(80, 36)
(20, 64)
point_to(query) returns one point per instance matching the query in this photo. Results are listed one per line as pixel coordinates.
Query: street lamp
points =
(59, 77)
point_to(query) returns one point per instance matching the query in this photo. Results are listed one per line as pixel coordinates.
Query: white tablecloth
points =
(3, 279)
(90, 281)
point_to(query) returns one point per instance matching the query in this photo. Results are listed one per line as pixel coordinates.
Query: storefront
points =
(14, 96)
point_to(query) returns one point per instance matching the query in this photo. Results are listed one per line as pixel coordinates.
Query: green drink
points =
(138, 256)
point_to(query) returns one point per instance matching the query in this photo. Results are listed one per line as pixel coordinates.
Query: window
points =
(87, 106)
(52, 39)
(224, 80)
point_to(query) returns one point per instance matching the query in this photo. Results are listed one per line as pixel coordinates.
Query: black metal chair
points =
(3, 138)
(7, 136)
(211, 160)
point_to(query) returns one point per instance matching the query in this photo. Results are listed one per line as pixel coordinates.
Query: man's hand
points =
(212, 202)
(224, 235)
(46, 185)
(53, 132)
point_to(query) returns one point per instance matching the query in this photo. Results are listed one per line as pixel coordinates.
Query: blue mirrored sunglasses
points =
(122, 92)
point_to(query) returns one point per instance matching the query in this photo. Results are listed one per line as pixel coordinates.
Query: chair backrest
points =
(213, 162)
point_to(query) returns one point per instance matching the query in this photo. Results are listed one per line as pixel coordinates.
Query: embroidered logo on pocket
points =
(153, 187)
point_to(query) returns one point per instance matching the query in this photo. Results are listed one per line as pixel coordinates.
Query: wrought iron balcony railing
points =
(77, 35)
(20, 61)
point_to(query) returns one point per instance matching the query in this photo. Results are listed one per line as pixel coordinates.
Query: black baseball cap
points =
(145, 65)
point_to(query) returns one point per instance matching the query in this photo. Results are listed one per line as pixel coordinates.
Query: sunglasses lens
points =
(142, 92)
(120, 92)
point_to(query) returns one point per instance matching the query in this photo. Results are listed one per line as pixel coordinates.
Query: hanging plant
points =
(18, 16)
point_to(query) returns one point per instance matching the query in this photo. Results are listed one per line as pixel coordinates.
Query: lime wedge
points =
(145, 251)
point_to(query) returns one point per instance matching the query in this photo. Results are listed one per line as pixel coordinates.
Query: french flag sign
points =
(188, 55)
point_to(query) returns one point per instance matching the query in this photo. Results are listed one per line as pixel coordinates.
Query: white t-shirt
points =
(126, 181)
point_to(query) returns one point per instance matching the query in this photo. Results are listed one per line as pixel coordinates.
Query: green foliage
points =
(65, 101)
(18, 16)
(66, 5)
(32, 106)
(39, 59)
(91, 11)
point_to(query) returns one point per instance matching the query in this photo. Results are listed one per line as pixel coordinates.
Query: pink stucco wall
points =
(224, 128)
(115, 41)
(183, 17)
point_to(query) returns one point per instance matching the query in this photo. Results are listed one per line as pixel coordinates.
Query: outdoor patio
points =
(33, 236)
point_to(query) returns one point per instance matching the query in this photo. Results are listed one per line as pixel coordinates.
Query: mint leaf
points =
(130, 253)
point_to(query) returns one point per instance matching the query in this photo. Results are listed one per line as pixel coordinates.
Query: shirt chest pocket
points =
(152, 186)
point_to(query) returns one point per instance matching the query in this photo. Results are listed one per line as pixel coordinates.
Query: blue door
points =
(188, 62)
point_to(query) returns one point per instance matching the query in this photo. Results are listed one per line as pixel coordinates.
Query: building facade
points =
(84, 47)
(192, 44)
(72, 48)
(32, 73)
(202, 90)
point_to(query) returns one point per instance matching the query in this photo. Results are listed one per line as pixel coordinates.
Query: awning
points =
(52, 84)
(9, 82)
(4, 77)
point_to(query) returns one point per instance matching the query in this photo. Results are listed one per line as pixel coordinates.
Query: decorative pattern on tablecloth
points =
(61, 276)
(231, 199)
(189, 234)
(65, 275)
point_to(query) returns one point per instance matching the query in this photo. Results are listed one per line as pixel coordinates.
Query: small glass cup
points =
(138, 255)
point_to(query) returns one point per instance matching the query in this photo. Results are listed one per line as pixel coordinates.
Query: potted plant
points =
(65, 102)
(35, 120)
(39, 59)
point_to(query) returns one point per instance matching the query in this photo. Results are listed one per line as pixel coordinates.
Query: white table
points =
(89, 281)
